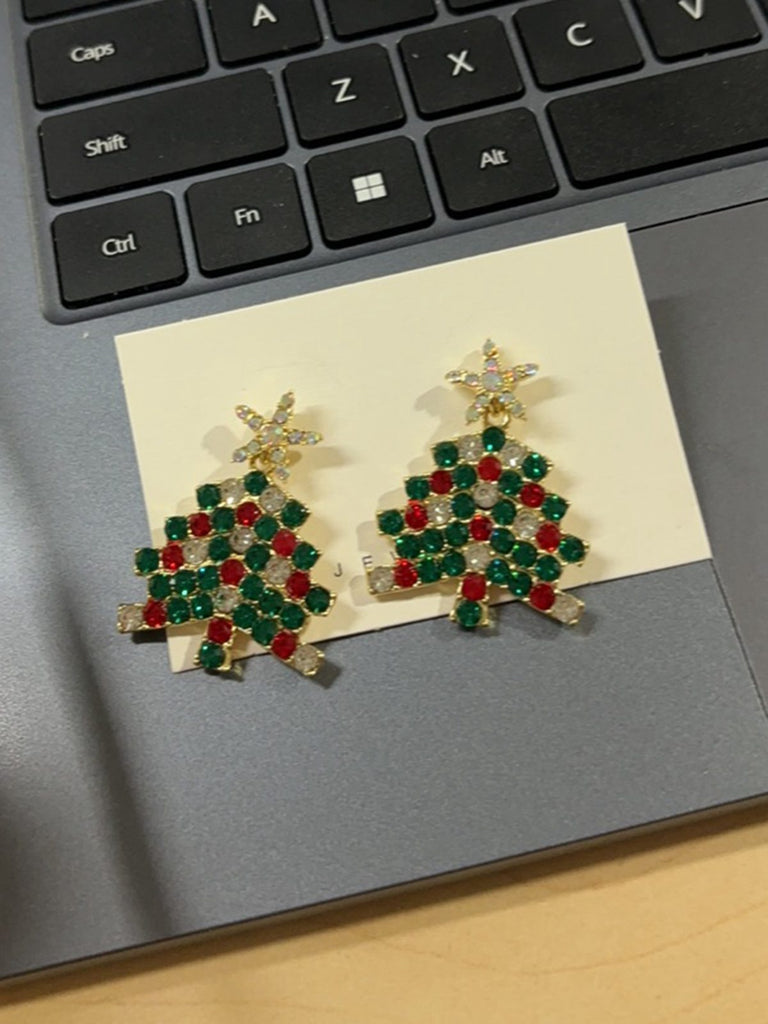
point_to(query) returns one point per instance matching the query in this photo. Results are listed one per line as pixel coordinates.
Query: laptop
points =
(135, 810)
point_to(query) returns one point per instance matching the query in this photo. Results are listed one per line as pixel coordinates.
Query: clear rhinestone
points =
(312, 438)
(307, 659)
(277, 570)
(130, 617)
(491, 381)
(254, 447)
(526, 525)
(439, 510)
(244, 412)
(516, 408)
(295, 437)
(489, 348)
(239, 455)
(195, 550)
(241, 539)
(482, 401)
(471, 448)
(486, 494)
(281, 473)
(453, 376)
(226, 599)
(287, 400)
(478, 556)
(381, 580)
(567, 609)
(472, 380)
(278, 455)
(512, 454)
(473, 414)
(280, 417)
(231, 491)
(272, 499)
(271, 434)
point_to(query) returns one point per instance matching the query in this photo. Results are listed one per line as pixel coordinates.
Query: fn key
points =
(106, 252)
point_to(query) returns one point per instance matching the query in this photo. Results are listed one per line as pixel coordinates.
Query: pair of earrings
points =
(482, 517)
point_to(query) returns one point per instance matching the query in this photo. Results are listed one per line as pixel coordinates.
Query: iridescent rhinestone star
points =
(269, 448)
(494, 386)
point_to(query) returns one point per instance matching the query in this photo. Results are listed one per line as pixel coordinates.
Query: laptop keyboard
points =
(339, 122)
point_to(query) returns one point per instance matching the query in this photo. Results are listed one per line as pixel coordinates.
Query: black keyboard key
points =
(247, 220)
(210, 124)
(577, 40)
(106, 252)
(490, 162)
(460, 66)
(245, 30)
(351, 18)
(34, 9)
(689, 27)
(343, 94)
(670, 119)
(369, 191)
(92, 56)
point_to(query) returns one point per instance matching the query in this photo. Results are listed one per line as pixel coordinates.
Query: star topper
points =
(269, 448)
(494, 387)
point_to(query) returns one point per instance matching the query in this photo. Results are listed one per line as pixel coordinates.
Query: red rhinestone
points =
(220, 631)
(199, 524)
(173, 557)
(489, 468)
(481, 528)
(231, 573)
(441, 481)
(247, 513)
(405, 574)
(542, 596)
(548, 537)
(284, 543)
(416, 515)
(473, 587)
(532, 495)
(297, 585)
(284, 645)
(154, 614)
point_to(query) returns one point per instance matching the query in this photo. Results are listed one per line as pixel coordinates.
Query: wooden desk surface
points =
(658, 930)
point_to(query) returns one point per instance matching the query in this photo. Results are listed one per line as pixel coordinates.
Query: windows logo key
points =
(369, 186)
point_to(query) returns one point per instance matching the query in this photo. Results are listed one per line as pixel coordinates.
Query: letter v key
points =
(694, 8)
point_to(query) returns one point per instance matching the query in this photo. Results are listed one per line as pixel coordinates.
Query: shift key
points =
(210, 124)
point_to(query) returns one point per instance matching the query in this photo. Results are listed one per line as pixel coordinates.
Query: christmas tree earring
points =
(238, 562)
(483, 516)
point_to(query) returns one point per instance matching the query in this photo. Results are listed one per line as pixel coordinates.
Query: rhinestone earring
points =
(482, 516)
(238, 562)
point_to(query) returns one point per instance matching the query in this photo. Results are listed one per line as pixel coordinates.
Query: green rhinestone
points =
(264, 631)
(222, 520)
(176, 528)
(464, 476)
(208, 577)
(257, 556)
(292, 617)
(178, 610)
(571, 548)
(468, 614)
(202, 606)
(454, 563)
(147, 560)
(456, 534)
(519, 583)
(429, 570)
(271, 601)
(554, 507)
(251, 587)
(255, 482)
(408, 545)
(185, 582)
(160, 587)
(510, 483)
(504, 512)
(210, 655)
(417, 488)
(535, 466)
(219, 549)
(391, 522)
(445, 454)
(294, 515)
(498, 572)
(208, 496)
(524, 554)
(318, 600)
(548, 569)
(432, 541)
(305, 556)
(244, 617)
(493, 439)
(463, 506)
(502, 540)
(266, 527)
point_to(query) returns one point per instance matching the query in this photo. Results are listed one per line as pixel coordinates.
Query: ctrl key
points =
(119, 249)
